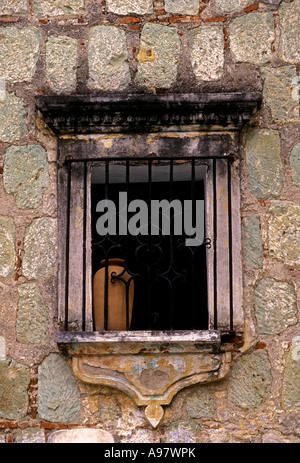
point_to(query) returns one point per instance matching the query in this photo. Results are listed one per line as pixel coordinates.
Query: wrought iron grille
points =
(169, 278)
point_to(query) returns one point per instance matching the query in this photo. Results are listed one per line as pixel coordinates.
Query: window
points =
(170, 277)
(193, 144)
(187, 299)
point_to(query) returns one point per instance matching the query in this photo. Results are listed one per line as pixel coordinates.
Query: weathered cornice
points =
(145, 113)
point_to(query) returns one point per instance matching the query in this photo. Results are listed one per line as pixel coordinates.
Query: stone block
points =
(284, 232)
(289, 48)
(251, 38)
(81, 436)
(44, 8)
(182, 6)
(295, 164)
(123, 7)
(40, 249)
(158, 56)
(14, 380)
(251, 381)
(206, 48)
(251, 239)
(275, 306)
(14, 7)
(108, 60)
(280, 93)
(12, 118)
(58, 394)
(26, 175)
(19, 52)
(61, 63)
(265, 172)
(32, 315)
(7, 247)
(230, 6)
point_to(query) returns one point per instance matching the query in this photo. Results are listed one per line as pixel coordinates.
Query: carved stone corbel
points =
(150, 369)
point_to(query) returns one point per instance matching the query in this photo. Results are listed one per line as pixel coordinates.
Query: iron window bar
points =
(208, 242)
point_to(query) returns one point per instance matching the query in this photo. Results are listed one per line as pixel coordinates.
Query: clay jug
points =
(116, 297)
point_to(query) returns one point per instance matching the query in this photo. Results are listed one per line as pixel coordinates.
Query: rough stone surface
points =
(251, 38)
(250, 380)
(275, 306)
(284, 232)
(58, 395)
(272, 2)
(203, 52)
(19, 53)
(200, 404)
(295, 164)
(31, 436)
(14, 380)
(129, 6)
(264, 163)
(206, 44)
(81, 436)
(43, 8)
(252, 244)
(279, 93)
(2, 348)
(26, 175)
(108, 63)
(7, 246)
(14, 7)
(230, 6)
(40, 250)
(32, 315)
(291, 380)
(186, 432)
(12, 118)
(141, 436)
(290, 31)
(182, 6)
(158, 56)
(273, 437)
(109, 408)
(61, 63)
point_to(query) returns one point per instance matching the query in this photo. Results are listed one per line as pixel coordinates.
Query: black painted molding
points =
(87, 114)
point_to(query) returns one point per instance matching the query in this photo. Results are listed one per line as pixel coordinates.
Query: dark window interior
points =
(170, 283)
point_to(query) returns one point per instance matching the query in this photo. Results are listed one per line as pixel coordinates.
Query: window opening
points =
(169, 277)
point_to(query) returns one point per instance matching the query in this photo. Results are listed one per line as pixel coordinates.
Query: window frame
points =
(222, 181)
(213, 120)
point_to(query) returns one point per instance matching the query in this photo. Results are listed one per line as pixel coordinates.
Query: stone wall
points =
(94, 46)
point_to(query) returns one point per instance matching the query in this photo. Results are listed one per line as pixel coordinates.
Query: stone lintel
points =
(68, 114)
